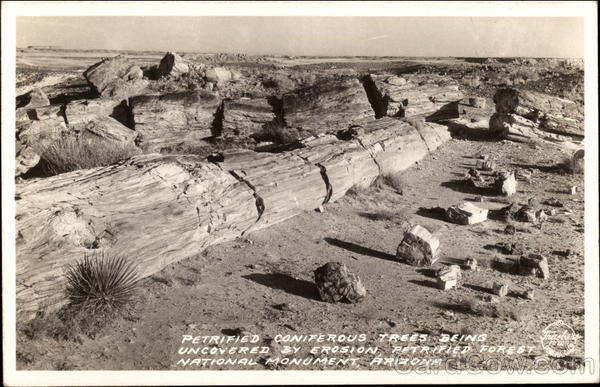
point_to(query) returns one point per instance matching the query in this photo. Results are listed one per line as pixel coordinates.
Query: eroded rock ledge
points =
(159, 209)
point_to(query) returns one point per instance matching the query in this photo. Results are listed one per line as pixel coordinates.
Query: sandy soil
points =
(263, 285)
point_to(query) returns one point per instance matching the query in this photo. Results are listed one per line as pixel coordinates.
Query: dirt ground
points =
(263, 285)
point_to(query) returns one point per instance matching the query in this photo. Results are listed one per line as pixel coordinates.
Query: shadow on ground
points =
(360, 249)
(286, 283)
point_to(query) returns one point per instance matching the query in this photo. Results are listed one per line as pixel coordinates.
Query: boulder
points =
(218, 75)
(35, 98)
(466, 213)
(328, 106)
(418, 247)
(116, 78)
(246, 116)
(336, 283)
(173, 65)
(175, 118)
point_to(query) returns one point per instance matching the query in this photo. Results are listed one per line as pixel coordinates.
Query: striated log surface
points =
(158, 209)
(547, 112)
(246, 116)
(416, 95)
(327, 106)
(116, 78)
(153, 209)
(170, 119)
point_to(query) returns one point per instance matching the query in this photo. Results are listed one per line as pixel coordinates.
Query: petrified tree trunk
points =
(158, 209)
(546, 112)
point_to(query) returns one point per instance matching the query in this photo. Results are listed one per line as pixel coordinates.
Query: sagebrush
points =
(71, 153)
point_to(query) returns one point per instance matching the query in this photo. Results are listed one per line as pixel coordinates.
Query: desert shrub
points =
(276, 131)
(101, 283)
(71, 153)
(393, 180)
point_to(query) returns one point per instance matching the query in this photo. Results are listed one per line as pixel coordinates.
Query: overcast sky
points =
(372, 36)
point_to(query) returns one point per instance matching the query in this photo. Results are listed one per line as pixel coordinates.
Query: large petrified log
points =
(158, 209)
(116, 78)
(153, 209)
(415, 95)
(175, 118)
(541, 111)
(327, 106)
(246, 116)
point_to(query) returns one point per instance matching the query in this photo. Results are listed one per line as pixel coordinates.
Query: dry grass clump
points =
(276, 131)
(392, 180)
(71, 153)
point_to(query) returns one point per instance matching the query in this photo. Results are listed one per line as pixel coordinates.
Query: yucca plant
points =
(101, 283)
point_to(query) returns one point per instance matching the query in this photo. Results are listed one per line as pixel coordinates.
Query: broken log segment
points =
(159, 209)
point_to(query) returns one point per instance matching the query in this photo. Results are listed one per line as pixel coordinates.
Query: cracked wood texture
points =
(159, 209)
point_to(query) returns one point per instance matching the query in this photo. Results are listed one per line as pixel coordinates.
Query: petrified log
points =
(417, 95)
(116, 78)
(158, 209)
(549, 113)
(79, 112)
(153, 209)
(34, 98)
(327, 106)
(246, 116)
(169, 119)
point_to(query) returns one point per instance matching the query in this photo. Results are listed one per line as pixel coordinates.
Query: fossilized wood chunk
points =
(246, 116)
(165, 120)
(466, 213)
(336, 283)
(106, 128)
(506, 183)
(549, 113)
(116, 78)
(327, 106)
(418, 247)
(152, 209)
(448, 277)
(534, 265)
(172, 64)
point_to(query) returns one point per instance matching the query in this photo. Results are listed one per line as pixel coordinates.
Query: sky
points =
(310, 35)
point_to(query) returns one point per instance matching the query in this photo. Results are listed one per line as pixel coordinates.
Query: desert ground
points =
(260, 281)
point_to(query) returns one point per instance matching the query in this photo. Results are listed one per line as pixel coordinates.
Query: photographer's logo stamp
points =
(559, 339)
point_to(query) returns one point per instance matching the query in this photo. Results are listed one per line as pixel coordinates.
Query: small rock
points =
(510, 229)
(491, 299)
(321, 209)
(524, 174)
(534, 265)
(335, 283)
(526, 214)
(477, 102)
(529, 294)
(466, 213)
(488, 165)
(448, 277)
(553, 202)
(471, 264)
(418, 247)
(500, 289)
(573, 190)
(506, 184)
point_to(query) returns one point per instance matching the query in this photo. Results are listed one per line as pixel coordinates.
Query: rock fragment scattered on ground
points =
(505, 183)
(466, 213)
(534, 265)
(336, 283)
(448, 277)
(500, 289)
(418, 247)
